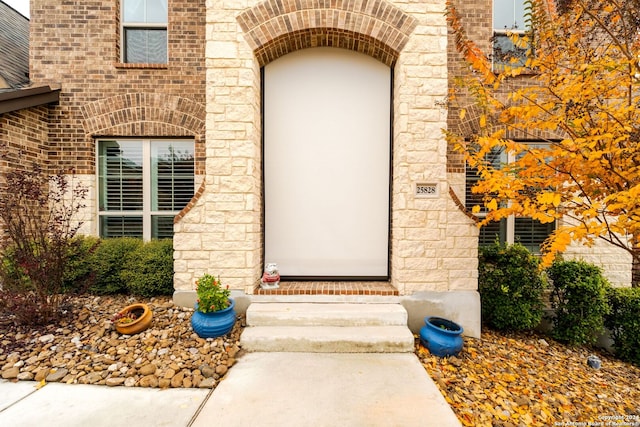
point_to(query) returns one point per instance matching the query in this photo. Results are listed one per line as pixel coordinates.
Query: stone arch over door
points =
(275, 28)
(433, 244)
(376, 28)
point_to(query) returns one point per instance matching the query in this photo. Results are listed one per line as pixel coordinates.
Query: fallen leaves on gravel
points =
(526, 379)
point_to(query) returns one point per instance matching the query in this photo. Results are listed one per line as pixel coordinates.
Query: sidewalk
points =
(262, 389)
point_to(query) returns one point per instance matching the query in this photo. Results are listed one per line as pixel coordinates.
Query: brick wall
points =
(77, 45)
(23, 136)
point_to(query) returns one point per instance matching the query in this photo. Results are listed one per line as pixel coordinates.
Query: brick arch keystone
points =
(377, 28)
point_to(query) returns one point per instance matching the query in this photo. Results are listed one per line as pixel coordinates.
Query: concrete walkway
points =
(262, 389)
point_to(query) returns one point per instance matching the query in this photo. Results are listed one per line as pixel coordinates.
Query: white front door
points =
(327, 115)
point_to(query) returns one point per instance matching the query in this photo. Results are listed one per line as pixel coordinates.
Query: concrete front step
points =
(329, 314)
(328, 339)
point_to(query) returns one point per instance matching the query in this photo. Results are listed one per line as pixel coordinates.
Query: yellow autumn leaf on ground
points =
(509, 378)
(534, 384)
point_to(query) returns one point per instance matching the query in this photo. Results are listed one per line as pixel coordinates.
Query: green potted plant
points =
(214, 313)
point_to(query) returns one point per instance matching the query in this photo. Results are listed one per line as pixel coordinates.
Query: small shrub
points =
(38, 215)
(510, 286)
(623, 321)
(579, 299)
(79, 274)
(149, 272)
(109, 261)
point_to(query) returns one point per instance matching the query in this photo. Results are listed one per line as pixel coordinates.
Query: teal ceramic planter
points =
(441, 336)
(214, 324)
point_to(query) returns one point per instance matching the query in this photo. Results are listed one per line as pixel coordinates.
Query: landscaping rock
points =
(207, 383)
(112, 382)
(25, 376)
(148, 369)
(85, 348)
(10, 373)
(56, 374)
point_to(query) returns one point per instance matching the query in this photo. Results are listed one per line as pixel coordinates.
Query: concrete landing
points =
(324, 389)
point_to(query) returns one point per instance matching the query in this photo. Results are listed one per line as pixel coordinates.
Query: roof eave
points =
(20, 99)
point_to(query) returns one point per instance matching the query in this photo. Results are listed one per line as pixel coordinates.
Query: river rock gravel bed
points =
(85, 348)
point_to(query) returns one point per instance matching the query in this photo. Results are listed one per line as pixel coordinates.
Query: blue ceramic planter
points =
(214, 324)
(441, 336)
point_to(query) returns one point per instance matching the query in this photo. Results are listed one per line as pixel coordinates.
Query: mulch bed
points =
(527, 379)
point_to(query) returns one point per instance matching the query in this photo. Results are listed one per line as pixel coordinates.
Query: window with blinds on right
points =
(524, 230)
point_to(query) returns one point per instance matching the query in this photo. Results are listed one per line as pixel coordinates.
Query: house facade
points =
(306, 133)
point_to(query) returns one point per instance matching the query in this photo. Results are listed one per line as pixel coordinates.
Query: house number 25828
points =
(426, 190)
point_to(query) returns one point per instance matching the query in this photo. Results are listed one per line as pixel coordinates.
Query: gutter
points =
(20, 99)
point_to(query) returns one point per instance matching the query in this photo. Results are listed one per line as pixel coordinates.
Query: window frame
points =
(510, 221)
(134, 25)
(505, 33)
(147, 213)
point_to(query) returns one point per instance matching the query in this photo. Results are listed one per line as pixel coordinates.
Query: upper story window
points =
(144, 31)
(524, 230)
(508, 18)
(142, 185)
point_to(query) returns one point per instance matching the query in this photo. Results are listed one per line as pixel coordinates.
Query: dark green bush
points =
(579, 301)
(150, 271)
(510, 286)
(623, 321)
(109, 261)
(79, 274)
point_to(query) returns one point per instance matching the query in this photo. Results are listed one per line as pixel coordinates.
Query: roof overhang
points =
(20, 99)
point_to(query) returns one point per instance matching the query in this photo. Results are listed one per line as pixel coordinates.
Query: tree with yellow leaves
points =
(582, 93)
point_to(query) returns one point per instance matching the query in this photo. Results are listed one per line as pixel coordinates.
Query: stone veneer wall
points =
(433, 243)
(615, 262)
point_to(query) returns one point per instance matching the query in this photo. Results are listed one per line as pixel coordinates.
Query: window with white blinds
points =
(142, 185)
(526, 231)
(144, 31)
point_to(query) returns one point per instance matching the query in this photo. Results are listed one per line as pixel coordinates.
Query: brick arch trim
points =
(377, 28)
(144, 114)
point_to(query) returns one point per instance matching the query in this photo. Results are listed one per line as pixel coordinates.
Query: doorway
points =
(327, 149)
